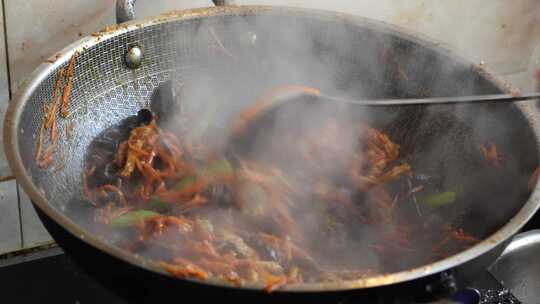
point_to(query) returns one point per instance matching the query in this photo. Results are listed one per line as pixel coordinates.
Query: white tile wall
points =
(57, 23)
(504, 34)
(10, 233)
(39, 28)
(10, 237)
(33, 232)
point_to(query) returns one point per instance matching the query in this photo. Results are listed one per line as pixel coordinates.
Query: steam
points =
(224, 65)
(248, 56)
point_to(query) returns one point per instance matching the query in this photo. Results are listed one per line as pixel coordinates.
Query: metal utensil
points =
(519, 267)
(493, 98)
(277, 98)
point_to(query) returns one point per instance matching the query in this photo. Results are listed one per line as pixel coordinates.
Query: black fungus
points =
(106, 174)
(164, 102)
(145, 116)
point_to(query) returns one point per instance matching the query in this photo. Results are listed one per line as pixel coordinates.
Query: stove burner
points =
(503, 296)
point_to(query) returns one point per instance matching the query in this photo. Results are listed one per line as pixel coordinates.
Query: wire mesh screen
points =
(244, 54)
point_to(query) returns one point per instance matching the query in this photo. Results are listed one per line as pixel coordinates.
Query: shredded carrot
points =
(49, 151)
(65, 98)
(45, 158)
(136, 149)
(149, 172)
(416, 189)
(57, 83)
(274, 283)
(185, 271)
(51, 113)
(45, 162)
(67, 88)
(183, 194)
(534, 178)
(121, 196)
(491, 155)
(442, 243)
(54, 131)
(39, 143)
(461, 235)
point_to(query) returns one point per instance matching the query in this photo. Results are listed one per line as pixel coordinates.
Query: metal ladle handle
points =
(125, 9)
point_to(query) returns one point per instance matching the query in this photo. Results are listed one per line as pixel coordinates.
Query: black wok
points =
(366, 59)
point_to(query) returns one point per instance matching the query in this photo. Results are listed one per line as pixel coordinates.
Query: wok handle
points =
(125, 9)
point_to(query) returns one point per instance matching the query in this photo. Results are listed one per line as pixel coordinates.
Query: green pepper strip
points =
(211, 171)
(440, 199)
(132, 217)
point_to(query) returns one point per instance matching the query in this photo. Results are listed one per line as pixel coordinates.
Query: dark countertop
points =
(49, 276)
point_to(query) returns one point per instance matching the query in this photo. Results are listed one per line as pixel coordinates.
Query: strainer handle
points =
(125, 9)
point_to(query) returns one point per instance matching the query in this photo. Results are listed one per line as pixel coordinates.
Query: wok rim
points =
(16, 106)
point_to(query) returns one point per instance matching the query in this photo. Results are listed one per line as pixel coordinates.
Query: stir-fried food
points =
(491, 155)
(48, 132)
(203, 214)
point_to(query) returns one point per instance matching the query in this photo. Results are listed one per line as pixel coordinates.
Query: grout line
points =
(26, 255)
(8, 70)
(5, 173)
(6, 178)
(21, 233)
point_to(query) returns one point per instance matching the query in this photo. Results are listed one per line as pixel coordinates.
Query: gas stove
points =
(48, 276)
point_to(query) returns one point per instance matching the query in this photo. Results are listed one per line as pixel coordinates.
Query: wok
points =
(107, 88)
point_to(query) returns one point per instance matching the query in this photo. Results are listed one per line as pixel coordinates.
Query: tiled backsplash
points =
(503, 34)
(4, 91)
(10, 234)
